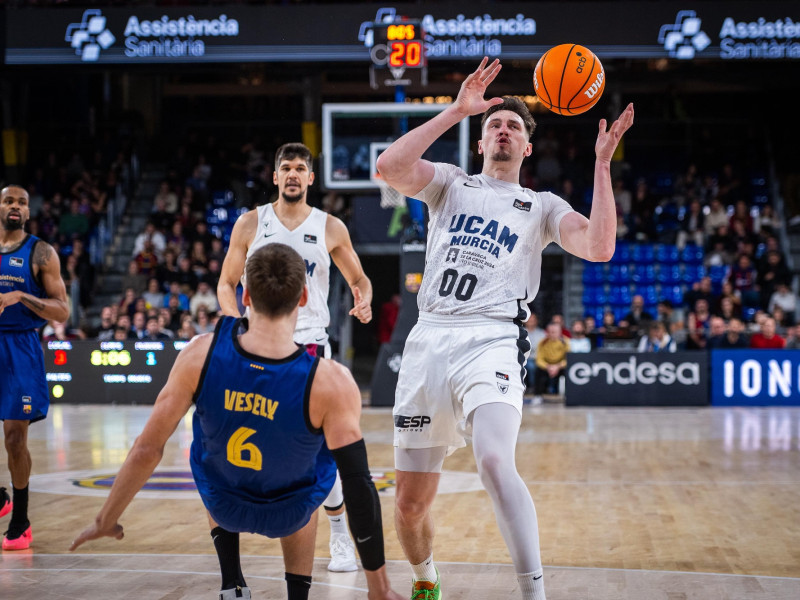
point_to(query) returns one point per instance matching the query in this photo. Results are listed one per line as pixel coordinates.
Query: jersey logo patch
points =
(16, 261)
(310, 239)
(500, 375)
(452, 254)
(471, 183)
(503, 387)
(526, 206)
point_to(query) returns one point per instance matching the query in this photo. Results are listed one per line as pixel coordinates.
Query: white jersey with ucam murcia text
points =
(485, 242)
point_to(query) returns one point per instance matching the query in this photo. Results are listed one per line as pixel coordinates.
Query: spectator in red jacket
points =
(767, 338)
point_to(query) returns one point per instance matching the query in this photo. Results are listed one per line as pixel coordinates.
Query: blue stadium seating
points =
(622, 254)
(673, 293)
(666, 254)
(692, 273)
(643, 254)
(619, 295)
(594, 296)
(619, 274)
(594, 273)
(648, 292)
(692, 254)
(644, 274)
(669, 275)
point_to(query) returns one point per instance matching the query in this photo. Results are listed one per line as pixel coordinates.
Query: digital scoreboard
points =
(95, 372)
(400, 45)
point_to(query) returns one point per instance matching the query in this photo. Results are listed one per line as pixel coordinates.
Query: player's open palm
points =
(470, 97)
(607, 141)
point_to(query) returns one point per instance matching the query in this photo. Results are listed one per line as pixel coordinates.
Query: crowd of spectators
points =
(69, 196)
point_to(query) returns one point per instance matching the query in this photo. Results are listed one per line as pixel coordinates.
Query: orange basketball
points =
(569, 79)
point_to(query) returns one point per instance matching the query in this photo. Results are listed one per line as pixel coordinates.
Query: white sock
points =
(338, 524)
(425, 570)
(531, 585)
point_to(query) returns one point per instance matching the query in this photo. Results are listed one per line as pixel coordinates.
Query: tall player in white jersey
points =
(463, 365)
(317, 237)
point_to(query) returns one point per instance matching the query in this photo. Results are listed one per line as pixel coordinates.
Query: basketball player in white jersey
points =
(462, 374)
(317, 237)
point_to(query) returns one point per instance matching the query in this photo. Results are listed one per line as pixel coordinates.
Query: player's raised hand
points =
(470, 97)
(607, 140)
(361, 308)
(95, 531)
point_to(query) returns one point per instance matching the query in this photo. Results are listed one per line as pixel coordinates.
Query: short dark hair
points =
(514, 105)
(294, 150)
(276, 275)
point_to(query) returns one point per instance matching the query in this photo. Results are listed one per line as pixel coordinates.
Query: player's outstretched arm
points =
(233, 266)
(594, 238)
(335, 405)
(401, 164)
(346, 260)
(172, 404)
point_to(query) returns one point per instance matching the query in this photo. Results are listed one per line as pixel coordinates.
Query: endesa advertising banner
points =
(755, 378)
(637, 379)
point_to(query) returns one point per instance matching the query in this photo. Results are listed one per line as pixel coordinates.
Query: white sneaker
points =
(234, 593)
(343, 554)
(537, 400)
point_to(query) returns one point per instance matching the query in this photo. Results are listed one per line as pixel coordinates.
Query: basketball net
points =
(390, 197)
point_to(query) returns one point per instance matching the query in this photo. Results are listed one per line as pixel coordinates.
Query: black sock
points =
(297, 586)
(226, 544)
(19, 514)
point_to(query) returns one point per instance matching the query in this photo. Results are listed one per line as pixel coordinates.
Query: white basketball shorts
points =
(451, 365)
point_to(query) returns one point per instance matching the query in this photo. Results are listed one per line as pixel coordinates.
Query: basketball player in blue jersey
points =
(317, 237)
(31, 293)
(463, 364)
(271, 425)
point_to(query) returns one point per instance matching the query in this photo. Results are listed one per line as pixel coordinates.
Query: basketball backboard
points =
(354, 135)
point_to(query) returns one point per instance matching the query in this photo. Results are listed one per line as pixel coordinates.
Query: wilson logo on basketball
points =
(592, 90)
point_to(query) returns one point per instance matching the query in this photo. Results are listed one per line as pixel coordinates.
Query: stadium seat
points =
(669, 275)
(673, 293)
(692, 273)
(594, 296)
(718, 273)
(666, 254)
(594, 273)
(644, 274)
(619, 274)
(642, 254)
(619, 295)
(622, 254)
(648, 292)
(620, 312)
(692, 254)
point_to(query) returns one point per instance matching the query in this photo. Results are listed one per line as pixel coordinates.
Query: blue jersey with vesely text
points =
(253, 439)
(16, 274)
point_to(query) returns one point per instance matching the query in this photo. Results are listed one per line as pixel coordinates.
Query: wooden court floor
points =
(632, 503)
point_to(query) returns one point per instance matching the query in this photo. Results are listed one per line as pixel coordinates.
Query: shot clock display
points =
(94, 372)
(403, 44)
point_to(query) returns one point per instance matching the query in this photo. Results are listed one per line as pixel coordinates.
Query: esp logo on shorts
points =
(416, 422)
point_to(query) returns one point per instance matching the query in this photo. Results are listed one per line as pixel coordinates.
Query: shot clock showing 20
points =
(399, 45)
(131, 372)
